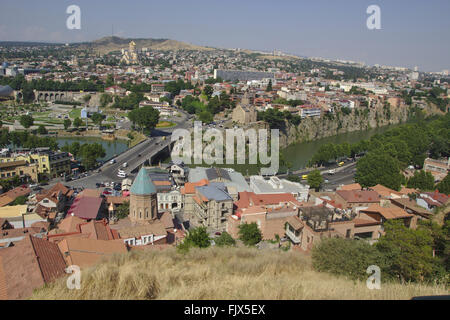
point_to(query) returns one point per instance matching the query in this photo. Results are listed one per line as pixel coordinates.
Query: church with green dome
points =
(143, 199)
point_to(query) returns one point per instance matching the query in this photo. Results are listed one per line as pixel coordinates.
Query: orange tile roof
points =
(189, 187)
(28, 265)
(391, 212)
(362, 196)
(87, 252)
(384, 191)
(353, 186)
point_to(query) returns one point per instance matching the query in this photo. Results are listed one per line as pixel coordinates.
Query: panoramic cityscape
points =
(134, 166)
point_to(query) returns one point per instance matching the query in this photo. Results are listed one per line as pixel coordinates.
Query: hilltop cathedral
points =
(130, 56)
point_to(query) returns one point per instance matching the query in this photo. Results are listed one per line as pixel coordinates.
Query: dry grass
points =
(220, 273)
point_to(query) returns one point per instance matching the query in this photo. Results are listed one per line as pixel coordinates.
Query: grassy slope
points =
(217, 273)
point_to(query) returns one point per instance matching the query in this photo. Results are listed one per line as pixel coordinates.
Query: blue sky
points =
(414, 32)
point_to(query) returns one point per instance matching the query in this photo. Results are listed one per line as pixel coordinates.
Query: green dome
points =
(143, 185)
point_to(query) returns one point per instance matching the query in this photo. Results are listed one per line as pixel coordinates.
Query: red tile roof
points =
(362, 196)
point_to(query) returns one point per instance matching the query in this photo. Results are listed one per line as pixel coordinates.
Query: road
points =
(131, 156)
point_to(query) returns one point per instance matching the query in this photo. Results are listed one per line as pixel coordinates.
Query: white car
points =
(122, 175)
(112, 161)
(125, 165)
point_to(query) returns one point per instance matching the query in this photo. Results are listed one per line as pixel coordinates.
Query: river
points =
(300, 153)
(112, 148)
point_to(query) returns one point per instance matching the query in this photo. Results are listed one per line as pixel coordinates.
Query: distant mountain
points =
(108, 44)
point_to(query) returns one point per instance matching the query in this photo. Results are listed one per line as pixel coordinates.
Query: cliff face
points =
(359, 119)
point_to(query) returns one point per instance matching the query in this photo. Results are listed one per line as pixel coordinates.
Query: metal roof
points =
(143, 185)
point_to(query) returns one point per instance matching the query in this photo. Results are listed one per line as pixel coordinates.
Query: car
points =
(34, 185)
(118, 187)
(332, 171)
(340, 164)
(121, 171)
(305, 176)
(112, 161)
(139, 155)
(125, 165)
(122, 175)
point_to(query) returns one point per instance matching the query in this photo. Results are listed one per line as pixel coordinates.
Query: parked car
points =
(113, 161)
(122, 175)
(125, 165)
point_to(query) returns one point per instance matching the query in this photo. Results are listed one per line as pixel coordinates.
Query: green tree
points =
(42, 130)
(205, 117)
(250, 234)
(444, 185)
(294, 178)
(269, 86)
(26, 121)
(225, 239)
(21, 200)
(105, 99)
(67, 123)
(208, 91)
(145, 118)
(123, 210)
(97, 118)
(197, 237)
(407, 253)
(90, 153)
(77, 123)
(347, 257)
(378, 168)
(421, 180)
(315, 179)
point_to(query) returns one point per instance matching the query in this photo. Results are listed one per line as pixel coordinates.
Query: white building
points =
(259, 185)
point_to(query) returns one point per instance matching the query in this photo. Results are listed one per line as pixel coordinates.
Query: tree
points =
(77, 123)
(407, 253)
(145, 118)
(225, 239)
(21, 200)
(421, 180)
(87, 98)
(67, 123)
(208, 91)
(378, 168)
(90, 153)
(197, 237)
(294, 178)
(315, 179)
(42, 130)
(250, 234)
(105, 99)
(205, 117)
(26, 121)
(444, 185)
(347, 257)
(123, 210)
(269, 86)
(97, 118)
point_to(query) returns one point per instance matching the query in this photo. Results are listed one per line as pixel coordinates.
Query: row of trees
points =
(87, 152)
(25, 139)
(402, 254)
(249, 234)
(388, 153)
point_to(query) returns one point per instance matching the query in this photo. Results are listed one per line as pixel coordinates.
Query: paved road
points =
(109, 171)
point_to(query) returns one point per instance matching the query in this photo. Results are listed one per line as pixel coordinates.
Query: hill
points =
(108, 44)
(220, 273)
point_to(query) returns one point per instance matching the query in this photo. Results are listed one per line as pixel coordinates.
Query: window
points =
(347, 234)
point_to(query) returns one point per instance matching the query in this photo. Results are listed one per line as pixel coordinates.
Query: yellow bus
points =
(340, 164)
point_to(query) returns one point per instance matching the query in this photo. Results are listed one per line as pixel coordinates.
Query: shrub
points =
(225, 239)
(250, 234)
(345, 257)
